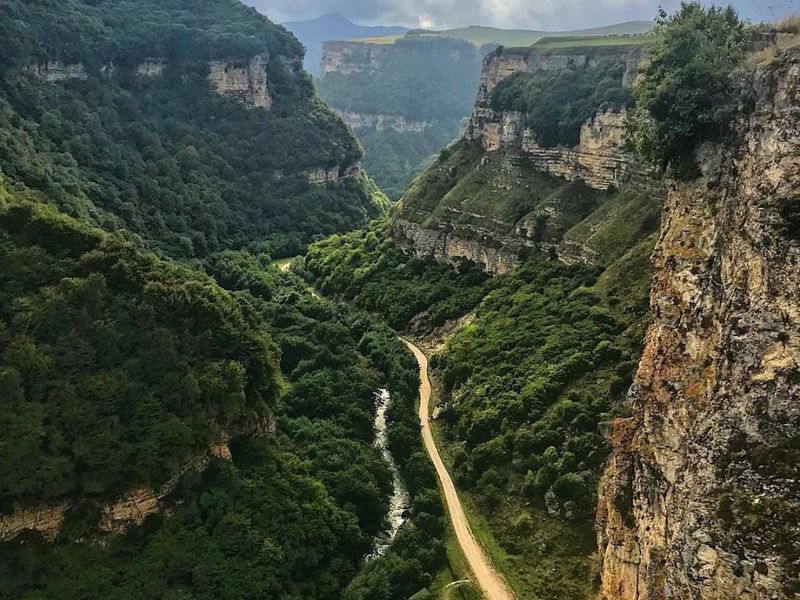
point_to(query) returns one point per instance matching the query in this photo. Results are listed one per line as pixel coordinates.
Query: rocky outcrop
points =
(601, 159)
(701, 497)
(322, 175)
(246, 83)
(383, 122)
(505, 62)
(496, 256)
(55, 71)
(47, 520)
(151, 68)
(348, 58)
(132, 509)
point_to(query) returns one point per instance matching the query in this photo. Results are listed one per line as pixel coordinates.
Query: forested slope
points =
(181, 419)
(108, 108)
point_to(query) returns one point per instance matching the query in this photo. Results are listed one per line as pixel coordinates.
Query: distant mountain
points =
(523, 37)
(332, 26)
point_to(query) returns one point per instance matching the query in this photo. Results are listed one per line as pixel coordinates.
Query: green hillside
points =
(164, 157)
(479, 36)
(142, 321)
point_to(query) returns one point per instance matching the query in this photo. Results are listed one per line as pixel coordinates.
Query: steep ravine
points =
(701, 497)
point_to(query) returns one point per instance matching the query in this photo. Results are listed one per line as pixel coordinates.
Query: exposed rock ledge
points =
(244, 83)
(495, 255)
(116, 517)
(322, 175)
(601, 158)
(55, 71)
(383, 122)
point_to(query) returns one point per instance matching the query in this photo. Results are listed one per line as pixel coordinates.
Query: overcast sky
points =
(519, 14)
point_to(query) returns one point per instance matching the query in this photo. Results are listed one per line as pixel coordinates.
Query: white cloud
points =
(516, 14)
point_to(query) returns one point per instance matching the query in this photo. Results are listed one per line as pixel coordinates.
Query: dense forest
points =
(142, 321)
(163, 157)
(547, 355)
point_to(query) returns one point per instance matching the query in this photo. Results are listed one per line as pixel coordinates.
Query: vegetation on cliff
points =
(556, 103)
(163, 157)
(682, 95)
(295, 514)
(117, 368)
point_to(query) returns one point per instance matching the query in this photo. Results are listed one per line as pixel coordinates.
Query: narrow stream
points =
(400, 502)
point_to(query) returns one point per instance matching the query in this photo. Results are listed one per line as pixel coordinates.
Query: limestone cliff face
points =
(246, 84)
(323, 175)
(493, 211)
(348, 58)
(701, 498)
(55, 71)
(383, 122)
(601, 158)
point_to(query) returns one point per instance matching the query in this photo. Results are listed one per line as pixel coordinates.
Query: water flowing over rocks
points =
(400, 501)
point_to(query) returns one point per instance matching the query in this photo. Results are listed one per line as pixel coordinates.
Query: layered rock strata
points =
(701, 497)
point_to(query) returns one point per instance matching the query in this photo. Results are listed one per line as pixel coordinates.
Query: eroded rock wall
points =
(601, 159)
(348, 58)
(701, 497)
(382, 122)
(117, 516)
(246, 84)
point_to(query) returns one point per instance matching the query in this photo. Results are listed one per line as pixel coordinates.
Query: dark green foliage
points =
(545, 360)
(262, 527)
(790, 212)
(683, 93)
(393, 158)
(768, 468)
(126, 32)
(190, 172)
(117, 367)
(368, 269)
(556, 103)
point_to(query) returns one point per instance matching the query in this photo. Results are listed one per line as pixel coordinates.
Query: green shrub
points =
(683, 93)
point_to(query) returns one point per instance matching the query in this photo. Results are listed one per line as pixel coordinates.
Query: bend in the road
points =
(488, 580)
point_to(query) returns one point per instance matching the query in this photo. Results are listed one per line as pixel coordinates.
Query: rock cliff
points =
(56, 71)
(601, 158)
(117, 516)
(383, 122)
(701, 498)
(348, 58)
(499, 194)
(246, 84)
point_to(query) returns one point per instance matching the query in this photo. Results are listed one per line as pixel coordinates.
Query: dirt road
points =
(488, 580)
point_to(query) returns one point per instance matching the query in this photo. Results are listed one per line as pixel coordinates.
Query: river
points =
(400, 502)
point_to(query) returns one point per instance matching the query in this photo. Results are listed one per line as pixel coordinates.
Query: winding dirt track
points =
(489, 581)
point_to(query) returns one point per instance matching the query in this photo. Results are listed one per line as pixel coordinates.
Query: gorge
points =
(581, 317)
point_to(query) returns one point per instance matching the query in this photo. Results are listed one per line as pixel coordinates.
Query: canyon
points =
(505, 151)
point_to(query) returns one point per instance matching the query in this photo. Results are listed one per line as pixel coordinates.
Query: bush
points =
(683, 93)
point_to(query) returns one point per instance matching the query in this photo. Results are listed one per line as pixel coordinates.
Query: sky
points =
(512, 14)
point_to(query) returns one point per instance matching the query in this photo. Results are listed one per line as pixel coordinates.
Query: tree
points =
(683, 94)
